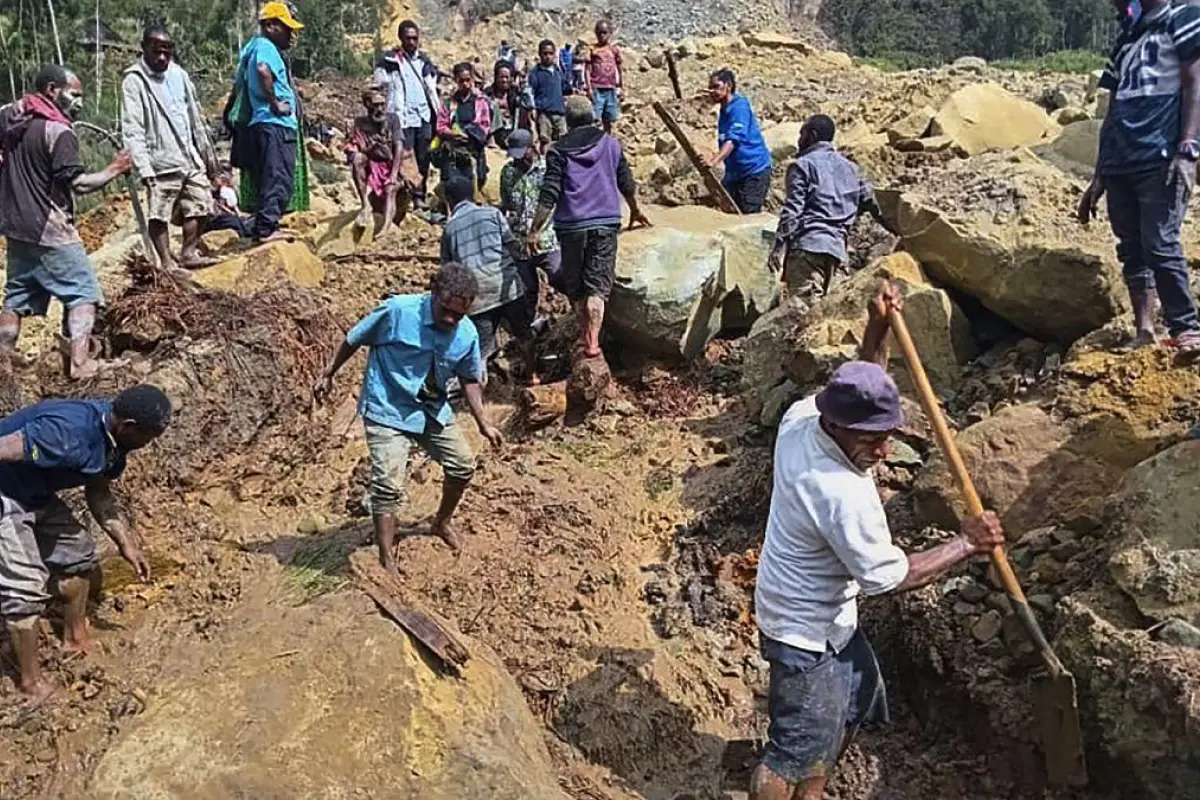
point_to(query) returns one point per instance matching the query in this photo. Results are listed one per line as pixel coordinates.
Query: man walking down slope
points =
(1149, 145)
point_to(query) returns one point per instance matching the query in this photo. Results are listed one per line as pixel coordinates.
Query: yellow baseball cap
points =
(281, 12)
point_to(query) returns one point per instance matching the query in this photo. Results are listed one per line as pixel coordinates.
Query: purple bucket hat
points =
(861, 396)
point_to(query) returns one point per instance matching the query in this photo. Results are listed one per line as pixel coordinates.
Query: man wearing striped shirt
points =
(1149, 145)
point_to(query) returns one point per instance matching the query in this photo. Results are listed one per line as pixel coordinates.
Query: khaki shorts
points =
(389, 450)
(174, 198)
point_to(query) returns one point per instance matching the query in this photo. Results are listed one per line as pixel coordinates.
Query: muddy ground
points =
(609, 564)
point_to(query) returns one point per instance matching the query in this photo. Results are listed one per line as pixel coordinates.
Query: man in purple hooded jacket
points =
(586, 177)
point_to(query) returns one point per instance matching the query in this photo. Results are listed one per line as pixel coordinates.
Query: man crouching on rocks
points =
(828, 539)
(418, 343)
(44, 449)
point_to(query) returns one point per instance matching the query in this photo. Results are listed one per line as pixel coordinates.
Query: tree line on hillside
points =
(99, 38)
(918, 32)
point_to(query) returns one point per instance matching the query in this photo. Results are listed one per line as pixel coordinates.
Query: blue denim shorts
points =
(605, 105)
(817, 702)
(37, 273)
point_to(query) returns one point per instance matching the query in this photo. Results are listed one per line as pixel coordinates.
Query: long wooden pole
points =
(718, 192)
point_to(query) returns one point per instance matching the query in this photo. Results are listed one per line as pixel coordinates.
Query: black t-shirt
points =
(40, 163)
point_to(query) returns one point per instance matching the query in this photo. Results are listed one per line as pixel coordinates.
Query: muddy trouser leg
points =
(447, 445)
(422, 139)
(23, 573)
(68, 550)
(388, 451)
(1162, 207)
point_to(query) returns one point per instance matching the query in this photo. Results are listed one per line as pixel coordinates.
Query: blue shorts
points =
(37, 273)
(817, 703)
(605, 105)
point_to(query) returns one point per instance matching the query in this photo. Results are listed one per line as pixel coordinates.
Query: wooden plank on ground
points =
(724, 201)
(422, 625)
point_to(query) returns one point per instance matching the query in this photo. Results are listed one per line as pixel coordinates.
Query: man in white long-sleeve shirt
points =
(828, 540)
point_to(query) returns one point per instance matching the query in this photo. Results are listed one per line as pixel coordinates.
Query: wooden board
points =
(422, 625)
(673, 73)
(724, 201)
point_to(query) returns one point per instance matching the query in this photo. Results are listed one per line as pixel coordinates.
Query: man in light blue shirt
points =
(417, 343)
(273, 124)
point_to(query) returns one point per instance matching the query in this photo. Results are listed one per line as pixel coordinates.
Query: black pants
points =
(750, 192)
(275, 174)
(418, 140)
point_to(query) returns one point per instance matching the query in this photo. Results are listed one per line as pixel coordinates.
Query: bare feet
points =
(364, 219)
(1142, 339)
(444, 530)
(197, 261)
(36, 692)
(79, 644)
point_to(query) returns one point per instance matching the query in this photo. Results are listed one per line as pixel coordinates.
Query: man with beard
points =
(42, 174)
(164, 130)
(376, 152)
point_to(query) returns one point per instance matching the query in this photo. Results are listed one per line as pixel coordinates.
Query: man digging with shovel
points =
(827, 539)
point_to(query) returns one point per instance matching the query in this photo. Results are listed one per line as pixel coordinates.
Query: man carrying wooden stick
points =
(827, 540)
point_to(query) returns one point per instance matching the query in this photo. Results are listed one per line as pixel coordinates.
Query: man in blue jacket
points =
(743, 150)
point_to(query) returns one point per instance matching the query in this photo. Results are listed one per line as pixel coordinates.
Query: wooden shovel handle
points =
(946, 442)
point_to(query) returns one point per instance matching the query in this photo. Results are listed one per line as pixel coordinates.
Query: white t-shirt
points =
(827, 539)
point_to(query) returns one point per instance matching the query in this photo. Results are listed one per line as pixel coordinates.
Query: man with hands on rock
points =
(828, 540)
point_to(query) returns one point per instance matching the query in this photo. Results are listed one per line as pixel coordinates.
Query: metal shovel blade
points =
(1058, 728)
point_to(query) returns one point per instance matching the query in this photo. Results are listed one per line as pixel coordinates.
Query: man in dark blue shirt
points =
(1149, 145)
(743, 150)
(44, 449)
(548, 84)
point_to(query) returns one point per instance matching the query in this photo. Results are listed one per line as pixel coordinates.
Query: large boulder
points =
(1026, 467)
(356, 710)
(798, 348)
(1158, 562)
(911, 126)
(1000, 229)
(1076, 148)
(782, 139)
(695, 273)
(985, 116)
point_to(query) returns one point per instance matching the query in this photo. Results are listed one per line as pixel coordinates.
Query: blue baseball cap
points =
(861, 396)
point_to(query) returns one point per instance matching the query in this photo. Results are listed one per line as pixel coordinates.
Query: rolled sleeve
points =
(738, 129)
(858, 533)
